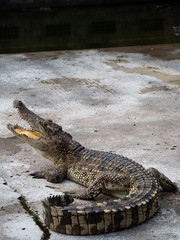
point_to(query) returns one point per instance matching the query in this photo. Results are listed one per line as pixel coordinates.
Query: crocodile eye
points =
(58, 128)
(163, 178)
(43, 124)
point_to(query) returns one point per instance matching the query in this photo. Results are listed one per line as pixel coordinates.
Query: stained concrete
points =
(124, 100)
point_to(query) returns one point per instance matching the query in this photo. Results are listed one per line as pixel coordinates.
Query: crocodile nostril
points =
(17, 104)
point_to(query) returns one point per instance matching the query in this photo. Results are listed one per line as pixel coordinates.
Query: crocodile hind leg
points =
(104, 181)
(164, 182)
(54, 176)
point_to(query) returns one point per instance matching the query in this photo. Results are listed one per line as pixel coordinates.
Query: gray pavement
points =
(124, 100)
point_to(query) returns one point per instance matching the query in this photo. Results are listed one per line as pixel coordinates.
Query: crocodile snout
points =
(17, 104)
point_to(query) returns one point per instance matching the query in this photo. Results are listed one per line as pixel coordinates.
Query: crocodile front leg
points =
(54, 176)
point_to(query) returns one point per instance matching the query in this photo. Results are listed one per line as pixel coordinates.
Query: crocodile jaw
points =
(33, 120)
(36, 131)
(20, 132)
(43, 135)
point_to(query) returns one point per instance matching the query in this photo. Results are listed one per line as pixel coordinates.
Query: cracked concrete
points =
(124, 100)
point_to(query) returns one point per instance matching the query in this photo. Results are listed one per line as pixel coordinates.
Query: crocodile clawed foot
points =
(37, 175)
(73, 194)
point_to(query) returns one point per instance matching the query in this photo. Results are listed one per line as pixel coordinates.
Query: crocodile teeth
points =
(29, 133)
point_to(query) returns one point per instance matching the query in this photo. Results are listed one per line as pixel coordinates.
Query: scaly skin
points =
(96, 170)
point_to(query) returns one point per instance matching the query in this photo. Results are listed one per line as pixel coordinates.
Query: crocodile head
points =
(44, 135)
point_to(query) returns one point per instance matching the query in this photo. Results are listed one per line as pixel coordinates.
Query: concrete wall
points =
(22, 31)
(14, 4)
(20, 4)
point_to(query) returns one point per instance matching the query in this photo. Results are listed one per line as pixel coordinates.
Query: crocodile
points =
(98, 172)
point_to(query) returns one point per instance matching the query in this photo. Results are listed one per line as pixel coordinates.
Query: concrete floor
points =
(124, 100)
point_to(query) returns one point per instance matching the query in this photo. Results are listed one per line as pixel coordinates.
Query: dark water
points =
(81, 28)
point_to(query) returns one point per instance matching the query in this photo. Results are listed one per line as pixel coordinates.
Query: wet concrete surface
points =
(124, 100)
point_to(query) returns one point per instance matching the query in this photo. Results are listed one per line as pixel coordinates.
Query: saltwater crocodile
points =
(96, 170)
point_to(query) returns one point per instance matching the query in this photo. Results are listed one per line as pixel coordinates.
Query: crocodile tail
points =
(100, 218)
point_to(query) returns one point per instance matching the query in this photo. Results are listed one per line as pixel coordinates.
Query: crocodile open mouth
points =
(33, 132)
(19, 131)
(29, 133)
